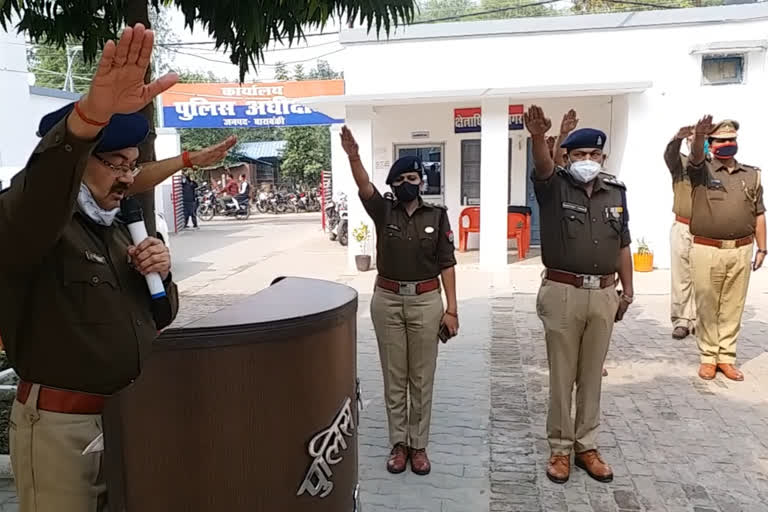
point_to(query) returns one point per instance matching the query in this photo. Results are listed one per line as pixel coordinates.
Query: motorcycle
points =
(331, 219)
(212, 207)
(292, 203)
(205, 208)
(337, 220)
(263, 203)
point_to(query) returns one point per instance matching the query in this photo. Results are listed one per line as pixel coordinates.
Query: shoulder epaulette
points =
(611, 180)
(751, 167)
(435, 205)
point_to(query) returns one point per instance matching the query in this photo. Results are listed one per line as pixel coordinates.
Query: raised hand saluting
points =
(536, 122)
(118, 86)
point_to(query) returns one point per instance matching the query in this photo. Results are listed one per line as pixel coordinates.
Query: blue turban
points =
(403, 165)
(585, 138)
(123, 130)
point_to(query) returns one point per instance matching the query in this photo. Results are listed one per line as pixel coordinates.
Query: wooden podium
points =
(253, 408)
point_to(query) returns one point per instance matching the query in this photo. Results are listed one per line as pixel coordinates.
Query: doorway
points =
(530, 196)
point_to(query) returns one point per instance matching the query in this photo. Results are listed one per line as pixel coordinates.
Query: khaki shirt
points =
(725, 204)
(579, 233)
(681, 184)
(73, 313)
(414, 248)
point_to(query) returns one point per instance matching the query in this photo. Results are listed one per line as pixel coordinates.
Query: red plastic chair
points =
(518, 227)
(472, 216)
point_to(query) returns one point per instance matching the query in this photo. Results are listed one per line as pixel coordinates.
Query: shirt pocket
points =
(93, 291)
(573, 223)
(428, 243)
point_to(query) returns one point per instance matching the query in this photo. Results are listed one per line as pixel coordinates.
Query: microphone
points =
(132, 215)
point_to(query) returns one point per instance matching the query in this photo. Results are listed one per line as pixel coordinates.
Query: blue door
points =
(530, 196)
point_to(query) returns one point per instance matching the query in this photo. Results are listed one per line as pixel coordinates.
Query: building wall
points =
(17, 124)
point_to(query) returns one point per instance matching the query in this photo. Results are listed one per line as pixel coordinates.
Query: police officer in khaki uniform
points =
(414, 253)
(683, 304)
(728, 217)
(584, 242)
(76, 314)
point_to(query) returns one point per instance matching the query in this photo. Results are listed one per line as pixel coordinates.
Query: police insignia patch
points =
(449, 234)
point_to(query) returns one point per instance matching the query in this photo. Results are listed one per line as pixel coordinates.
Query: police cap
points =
(585, 138)
(123, 130)
(726, 129)
(403, 165)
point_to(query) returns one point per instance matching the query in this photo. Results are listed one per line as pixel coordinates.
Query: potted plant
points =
(643, 258)
(362, 235)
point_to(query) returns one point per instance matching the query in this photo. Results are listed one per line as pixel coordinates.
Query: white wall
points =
(15, 142)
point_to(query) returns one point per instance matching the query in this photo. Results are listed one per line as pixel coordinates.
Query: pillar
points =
(494, 183)
(360, 121)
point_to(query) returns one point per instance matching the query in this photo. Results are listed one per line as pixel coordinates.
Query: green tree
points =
(49, 65)
(244, 27)
(306, 154)
(281, 72)
(514, 9)
(307, 150)
(323, 71)
(441, 9)
(298, 72)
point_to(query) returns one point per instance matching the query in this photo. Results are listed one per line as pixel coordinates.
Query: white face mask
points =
(584, 170)
(96, 213)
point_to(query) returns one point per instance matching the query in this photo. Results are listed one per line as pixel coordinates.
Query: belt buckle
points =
(727, 244)
(407, 289)
(590, 282)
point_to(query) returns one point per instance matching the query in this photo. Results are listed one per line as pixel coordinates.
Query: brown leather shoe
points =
(707, 371)
(591, 462)
(605, 372)
(420, 462)
(680, 333)
(398, 459)
(559, 468)
(730, 371)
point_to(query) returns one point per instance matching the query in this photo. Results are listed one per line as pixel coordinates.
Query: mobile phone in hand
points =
(443, 333)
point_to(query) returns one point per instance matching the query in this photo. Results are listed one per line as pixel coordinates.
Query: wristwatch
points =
(627, 298)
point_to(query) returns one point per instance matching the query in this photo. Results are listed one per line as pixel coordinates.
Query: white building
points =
(637, 76)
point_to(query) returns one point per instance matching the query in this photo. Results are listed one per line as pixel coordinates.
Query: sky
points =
(204, 58)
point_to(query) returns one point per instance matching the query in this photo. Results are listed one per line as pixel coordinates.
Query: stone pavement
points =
(676, 443)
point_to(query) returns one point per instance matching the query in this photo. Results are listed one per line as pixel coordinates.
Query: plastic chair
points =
(518, 227)
(469, 222)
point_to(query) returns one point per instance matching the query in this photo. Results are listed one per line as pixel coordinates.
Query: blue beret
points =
(123, 130)
(403, 165)
(585, 138)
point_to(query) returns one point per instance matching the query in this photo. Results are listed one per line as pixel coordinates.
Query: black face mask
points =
(406, 192)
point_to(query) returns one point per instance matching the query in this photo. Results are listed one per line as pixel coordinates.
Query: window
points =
(470, 172)
(432, 157)
(722, 69)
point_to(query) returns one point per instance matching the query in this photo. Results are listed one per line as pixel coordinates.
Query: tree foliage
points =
(308, 148)
(244, 28)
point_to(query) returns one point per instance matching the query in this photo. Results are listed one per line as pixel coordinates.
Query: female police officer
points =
(414, 247)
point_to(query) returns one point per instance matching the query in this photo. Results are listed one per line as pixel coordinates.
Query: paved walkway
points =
(676, 443)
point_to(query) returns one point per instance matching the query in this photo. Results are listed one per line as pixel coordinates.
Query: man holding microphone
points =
(76, 313)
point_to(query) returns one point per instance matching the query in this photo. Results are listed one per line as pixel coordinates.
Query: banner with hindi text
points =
(257, 105)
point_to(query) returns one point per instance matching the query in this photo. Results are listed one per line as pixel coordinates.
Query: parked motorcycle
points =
(337, 220)
(213, 206)
(262, 202)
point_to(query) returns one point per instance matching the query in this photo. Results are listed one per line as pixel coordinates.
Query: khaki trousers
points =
(51, 473)
(720, 280)
(577, 324)
(683, 307)
(406, 329)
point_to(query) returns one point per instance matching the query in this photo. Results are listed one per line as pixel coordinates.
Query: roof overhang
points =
(464, 95)
(725, 47)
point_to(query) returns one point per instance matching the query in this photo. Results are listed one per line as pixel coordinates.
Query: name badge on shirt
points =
(95, 258)
(575, 207)
(614, 212)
